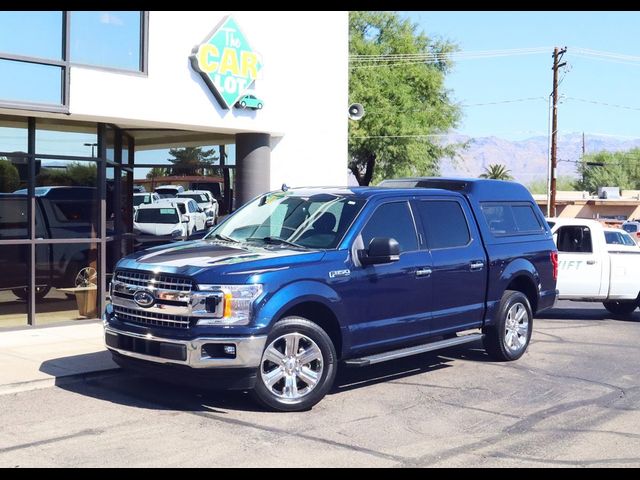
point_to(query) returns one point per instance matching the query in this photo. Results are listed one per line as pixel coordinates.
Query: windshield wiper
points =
(225, 238)
(277, 241)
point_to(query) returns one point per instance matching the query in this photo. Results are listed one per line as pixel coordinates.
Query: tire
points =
(621, 307)
(508, 339)
(243, 104)
(259, 106)
(284, 371)
(41, 292)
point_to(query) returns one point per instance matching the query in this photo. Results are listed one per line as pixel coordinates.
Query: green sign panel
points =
(226, 62)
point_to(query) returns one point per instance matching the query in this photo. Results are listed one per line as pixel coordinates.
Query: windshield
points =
(315, 221)
(157, 215)
(140, 199)
(198, 197)
(618, 238)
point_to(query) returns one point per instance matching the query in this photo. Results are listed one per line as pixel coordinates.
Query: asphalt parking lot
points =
(572, 400)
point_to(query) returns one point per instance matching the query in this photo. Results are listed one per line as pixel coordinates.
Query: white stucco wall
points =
(304, 85)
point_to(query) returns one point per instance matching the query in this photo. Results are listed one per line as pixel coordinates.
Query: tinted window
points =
(157, 215)
(525, 218)
(630, 227)
(444, 223)
(574, 239)
(499, 218)
(511, 219)
(32, 34)
(392, 220)
(30, 82)
(107, 39)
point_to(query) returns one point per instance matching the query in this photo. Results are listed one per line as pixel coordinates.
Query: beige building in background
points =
(571, 204)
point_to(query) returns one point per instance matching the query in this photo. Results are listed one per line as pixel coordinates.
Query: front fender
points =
(298, 293)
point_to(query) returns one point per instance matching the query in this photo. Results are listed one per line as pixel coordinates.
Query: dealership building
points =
(94, 103)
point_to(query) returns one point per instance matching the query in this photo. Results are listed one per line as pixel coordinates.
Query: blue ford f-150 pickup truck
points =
(299, 280)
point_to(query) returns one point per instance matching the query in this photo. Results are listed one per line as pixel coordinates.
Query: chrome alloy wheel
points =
(516, 328)
(291, 367)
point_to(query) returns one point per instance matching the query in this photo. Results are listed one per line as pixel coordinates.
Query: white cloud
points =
(110, 19)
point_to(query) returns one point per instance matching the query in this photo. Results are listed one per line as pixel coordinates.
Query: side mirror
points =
(185, 218)
(381, 250)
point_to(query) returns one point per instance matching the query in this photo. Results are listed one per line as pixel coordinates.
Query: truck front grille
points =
(150, 318)
(153, 281)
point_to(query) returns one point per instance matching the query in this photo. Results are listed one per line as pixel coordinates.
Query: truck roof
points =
(480, 188)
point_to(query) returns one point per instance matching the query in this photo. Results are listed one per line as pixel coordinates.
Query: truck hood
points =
(192, 258)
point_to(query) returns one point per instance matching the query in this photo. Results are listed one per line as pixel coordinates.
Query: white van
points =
(188, 208)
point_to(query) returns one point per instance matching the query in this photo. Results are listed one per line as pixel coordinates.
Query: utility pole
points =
(557, 55)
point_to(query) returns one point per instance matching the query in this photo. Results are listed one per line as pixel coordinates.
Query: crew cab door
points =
(459, 266)
(580, 269)
(389, 303)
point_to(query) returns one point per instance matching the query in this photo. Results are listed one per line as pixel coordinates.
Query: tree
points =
(497, 172)
(405, 102)
(9, 176)
(74, 174)
(610, 169)
(191, 160)
(156, 172)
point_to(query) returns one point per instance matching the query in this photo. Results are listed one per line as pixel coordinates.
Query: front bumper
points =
(203, 352)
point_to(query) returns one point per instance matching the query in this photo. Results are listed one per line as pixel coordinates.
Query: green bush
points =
(9, 176)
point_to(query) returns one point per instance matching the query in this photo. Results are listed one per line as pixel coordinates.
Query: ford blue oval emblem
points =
(144, 298)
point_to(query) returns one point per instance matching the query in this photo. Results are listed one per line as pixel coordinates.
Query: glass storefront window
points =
(13, 134)
(30, 82)
(31, 34)
(14, 207)
(69, 274)
(106, 39)
(67, 203)
(13, 285)
(56, 137)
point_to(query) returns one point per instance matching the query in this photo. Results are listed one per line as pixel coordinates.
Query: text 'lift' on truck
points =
(296, 281)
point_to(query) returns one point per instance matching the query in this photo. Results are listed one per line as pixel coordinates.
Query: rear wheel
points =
(509, 337)
(297, 368)
(621, 307)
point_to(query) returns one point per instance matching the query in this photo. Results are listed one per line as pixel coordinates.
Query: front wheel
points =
(509, 337)
(621, 307)
(297, 368)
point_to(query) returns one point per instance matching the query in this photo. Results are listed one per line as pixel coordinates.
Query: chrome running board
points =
(406, 352)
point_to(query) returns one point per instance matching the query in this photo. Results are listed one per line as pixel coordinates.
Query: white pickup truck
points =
(597, 264)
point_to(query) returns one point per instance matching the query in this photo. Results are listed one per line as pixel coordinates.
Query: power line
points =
(596, 102)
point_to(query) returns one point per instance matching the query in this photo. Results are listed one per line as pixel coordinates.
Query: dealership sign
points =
(226, 62)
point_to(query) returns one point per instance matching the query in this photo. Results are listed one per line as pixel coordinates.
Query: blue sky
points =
(485, 80)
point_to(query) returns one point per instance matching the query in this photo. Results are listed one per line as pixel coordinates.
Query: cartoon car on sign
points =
(249, 101)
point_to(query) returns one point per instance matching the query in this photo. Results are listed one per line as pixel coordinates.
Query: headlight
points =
(237, 303)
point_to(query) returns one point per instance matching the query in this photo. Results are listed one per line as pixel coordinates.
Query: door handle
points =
(423, 272)
(591, 262)
(476, 265)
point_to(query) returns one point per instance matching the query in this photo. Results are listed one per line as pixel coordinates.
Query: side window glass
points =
(574, 239)
(392, 220)
(444, 223)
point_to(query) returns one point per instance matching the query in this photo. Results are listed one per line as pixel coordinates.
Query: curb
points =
(56, 381)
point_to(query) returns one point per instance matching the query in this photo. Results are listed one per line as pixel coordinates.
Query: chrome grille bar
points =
(151, 318)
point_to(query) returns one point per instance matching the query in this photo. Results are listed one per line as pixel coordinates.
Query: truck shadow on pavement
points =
(136, 390)
(569, 313)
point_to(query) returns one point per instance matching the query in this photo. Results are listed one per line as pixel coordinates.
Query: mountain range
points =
(527, 159)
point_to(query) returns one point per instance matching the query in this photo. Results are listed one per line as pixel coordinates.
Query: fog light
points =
(230, 350)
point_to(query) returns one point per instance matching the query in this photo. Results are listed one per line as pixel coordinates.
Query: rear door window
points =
(444, 223)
